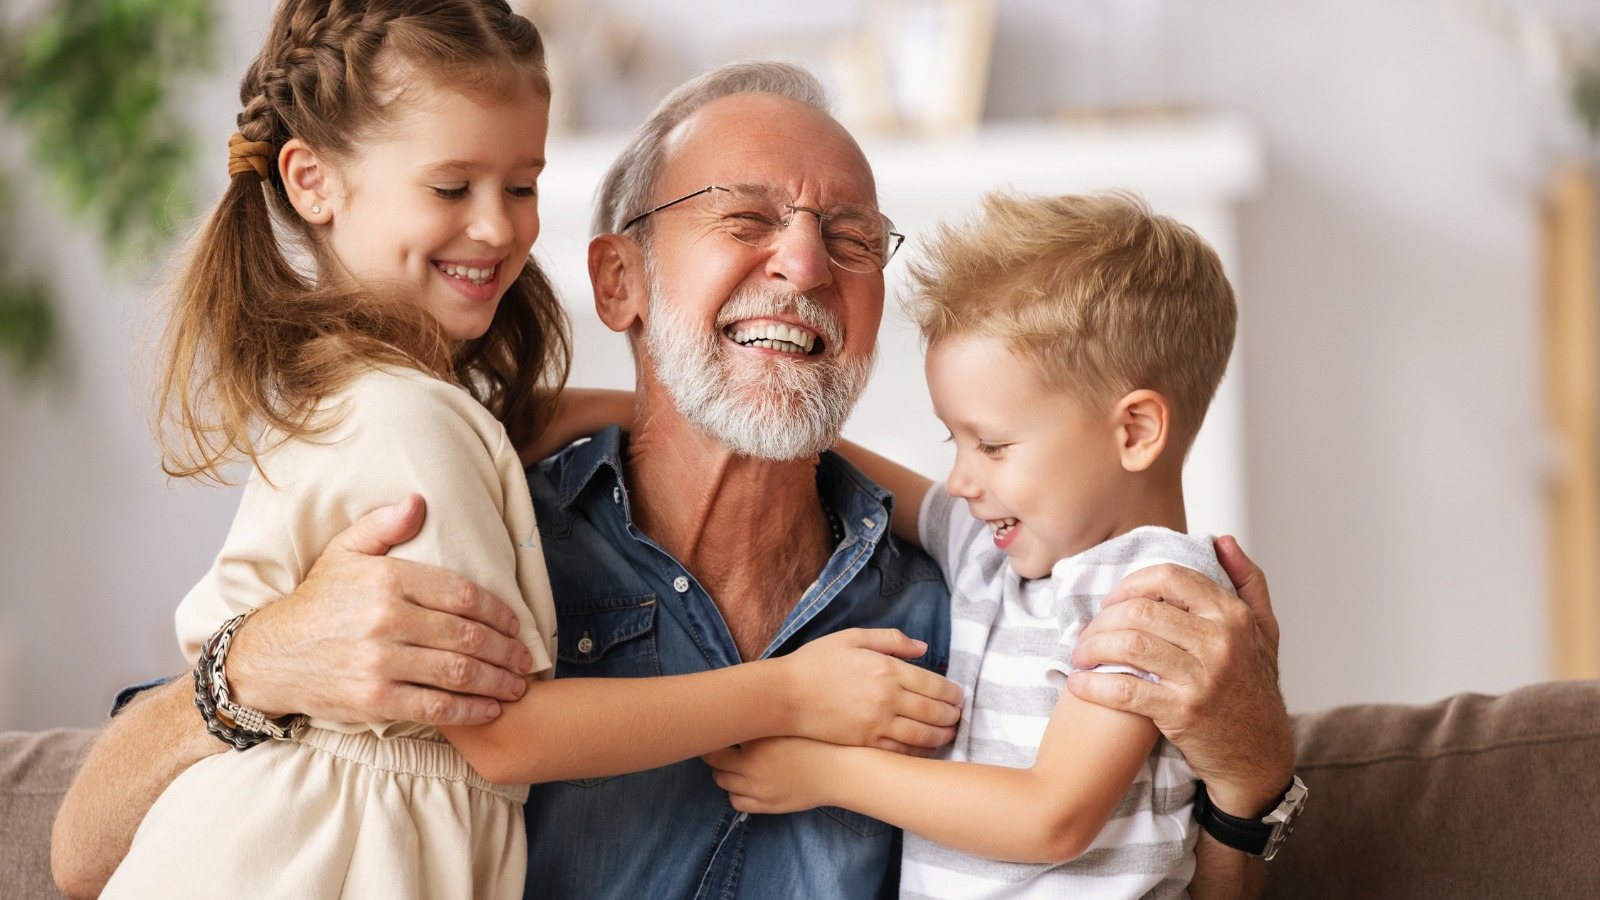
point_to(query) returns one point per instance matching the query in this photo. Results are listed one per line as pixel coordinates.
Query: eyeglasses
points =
(858, 238)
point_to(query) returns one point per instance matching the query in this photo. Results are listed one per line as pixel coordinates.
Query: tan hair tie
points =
(245, 155)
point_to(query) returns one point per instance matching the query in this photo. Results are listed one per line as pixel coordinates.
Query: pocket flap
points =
(584, 635)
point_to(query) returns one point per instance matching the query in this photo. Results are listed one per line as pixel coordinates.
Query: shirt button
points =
(616, 495)
(680, 584)
(585, 645)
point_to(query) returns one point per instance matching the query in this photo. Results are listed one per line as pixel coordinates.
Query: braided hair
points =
(253, 342)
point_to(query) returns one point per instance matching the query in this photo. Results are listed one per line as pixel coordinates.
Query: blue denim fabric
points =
(126, 695)
(670, 832)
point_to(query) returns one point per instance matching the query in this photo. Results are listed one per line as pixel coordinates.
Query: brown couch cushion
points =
(1471, 797)
(35, 769)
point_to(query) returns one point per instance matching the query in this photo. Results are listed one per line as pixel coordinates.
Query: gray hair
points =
(631, 180)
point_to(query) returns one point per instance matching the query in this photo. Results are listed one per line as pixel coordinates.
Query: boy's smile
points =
(1002, 529)
(1039, 465)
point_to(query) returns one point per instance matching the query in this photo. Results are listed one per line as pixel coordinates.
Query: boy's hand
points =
(776, 775)
(850, 688)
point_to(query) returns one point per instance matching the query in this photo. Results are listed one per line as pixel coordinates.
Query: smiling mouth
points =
(468, 274)
(782, 338)
(1002, 527)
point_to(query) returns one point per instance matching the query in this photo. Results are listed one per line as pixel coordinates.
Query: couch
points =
(1474, 796)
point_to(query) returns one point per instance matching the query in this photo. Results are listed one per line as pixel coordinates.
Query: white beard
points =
(780, 409)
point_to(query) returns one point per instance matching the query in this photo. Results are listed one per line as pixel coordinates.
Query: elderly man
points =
(741, 251)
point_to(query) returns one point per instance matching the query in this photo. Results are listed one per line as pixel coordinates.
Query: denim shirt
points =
(627, 608)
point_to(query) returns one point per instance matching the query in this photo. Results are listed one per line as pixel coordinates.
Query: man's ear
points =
(1144, 422)
(305, 179)
(616, 272)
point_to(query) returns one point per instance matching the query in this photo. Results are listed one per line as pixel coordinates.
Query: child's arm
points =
(843, 687)
(579, 412)
(402, 432)
(909, 488)
(1050, 812)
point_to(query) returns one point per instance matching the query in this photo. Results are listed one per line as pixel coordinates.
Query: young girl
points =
(408, 345)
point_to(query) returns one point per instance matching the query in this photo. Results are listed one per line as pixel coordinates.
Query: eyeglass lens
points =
(857, 238)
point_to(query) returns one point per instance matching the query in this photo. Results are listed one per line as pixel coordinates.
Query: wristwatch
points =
(1258, 837)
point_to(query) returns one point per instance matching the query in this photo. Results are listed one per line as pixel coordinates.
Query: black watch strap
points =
(1257, 837)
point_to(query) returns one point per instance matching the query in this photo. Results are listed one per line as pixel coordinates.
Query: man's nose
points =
(799, 257)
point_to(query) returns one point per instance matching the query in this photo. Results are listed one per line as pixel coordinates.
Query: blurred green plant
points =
(1586, 92)
(93, 85)
(27, 326)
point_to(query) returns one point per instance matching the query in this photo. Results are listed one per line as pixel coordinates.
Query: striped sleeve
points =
(1080, 582)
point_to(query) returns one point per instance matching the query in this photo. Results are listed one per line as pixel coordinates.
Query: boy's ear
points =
(1144, 422)
(305, 180)
(616, 272)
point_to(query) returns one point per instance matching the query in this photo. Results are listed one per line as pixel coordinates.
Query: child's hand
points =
(776, 775)
(850, 689)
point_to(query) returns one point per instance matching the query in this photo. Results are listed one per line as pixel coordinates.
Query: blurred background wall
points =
(1385, 246)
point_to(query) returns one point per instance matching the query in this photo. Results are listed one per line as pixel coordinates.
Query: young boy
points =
(1074, 344)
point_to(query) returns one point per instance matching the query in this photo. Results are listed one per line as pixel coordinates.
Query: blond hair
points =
(252, 344)
(1100, 294)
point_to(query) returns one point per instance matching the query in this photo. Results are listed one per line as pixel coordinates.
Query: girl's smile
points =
(443, 205)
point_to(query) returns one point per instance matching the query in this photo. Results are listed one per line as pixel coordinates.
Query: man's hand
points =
(854, 690)
(366, 638)
(1217, 658)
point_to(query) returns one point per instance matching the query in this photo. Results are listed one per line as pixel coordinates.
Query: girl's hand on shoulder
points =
(776, 775)
(854, 687)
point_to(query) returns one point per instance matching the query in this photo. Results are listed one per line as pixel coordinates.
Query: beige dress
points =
(387, 809)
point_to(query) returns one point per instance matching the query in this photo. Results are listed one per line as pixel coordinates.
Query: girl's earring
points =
(316, 210)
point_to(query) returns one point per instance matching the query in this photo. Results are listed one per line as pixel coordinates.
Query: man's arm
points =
(380, 630)
(155, 737)
(579, 412)
(1218, 699)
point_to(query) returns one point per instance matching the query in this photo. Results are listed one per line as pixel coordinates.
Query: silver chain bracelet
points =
(241, 727)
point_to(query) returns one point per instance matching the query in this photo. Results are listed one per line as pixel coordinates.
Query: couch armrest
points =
(35, 770)
(1474, 796)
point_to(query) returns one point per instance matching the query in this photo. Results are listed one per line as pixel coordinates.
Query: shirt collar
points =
(863, 506)
(580, 463)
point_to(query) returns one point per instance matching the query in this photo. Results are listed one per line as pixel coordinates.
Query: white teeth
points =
(476, 276)
(776, 337)
(1002, 526)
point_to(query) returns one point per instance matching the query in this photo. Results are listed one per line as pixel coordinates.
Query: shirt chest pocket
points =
(613, 637)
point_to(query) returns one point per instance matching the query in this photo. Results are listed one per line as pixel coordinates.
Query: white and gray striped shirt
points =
(1011, 644)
